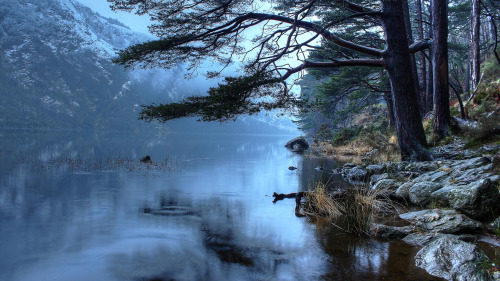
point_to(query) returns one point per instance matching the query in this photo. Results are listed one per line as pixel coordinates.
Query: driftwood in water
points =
(297, 195)
(336, 195)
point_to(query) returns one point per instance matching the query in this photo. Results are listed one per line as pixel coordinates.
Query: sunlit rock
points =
(453, 259)
(442, 221)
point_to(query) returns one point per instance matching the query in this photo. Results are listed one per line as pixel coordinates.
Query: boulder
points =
(297, 144)
(441, 197)
(390, 232)
(146, 159)
(357, 174)
(479, 200)
(468, 164)
(418, 239)
(425, 166)
(495, 226)
(374, 169)
(472, 175)
(349, 165)
(404, 190)
(442, 221)
(434, 176)
(420, 193)
(387, 184)
(452, 259)
(375, 178)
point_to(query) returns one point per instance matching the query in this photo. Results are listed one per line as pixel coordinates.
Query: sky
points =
(135, 22)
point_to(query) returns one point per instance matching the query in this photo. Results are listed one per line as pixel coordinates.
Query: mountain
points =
(56, 72)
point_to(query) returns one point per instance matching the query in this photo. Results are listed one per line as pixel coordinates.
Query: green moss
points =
(480, 97)
(345, 136)
(475, 143)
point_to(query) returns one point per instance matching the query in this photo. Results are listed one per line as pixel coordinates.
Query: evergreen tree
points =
(194, 31)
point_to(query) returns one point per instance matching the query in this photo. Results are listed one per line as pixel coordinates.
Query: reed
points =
(353, 212)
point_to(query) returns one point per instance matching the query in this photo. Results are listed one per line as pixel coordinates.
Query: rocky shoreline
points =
(458, 201)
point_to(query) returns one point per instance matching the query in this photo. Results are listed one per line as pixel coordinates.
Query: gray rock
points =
(146, 159)
(387, 184)
(418, 240)
(476, 174)
(370, 155)
(390, 232)
(471, 175)
(297, 144)
(468, 164)
(452, 259)
(375, 178)
(357, 174)
(374, 169)
(404, 190)
(422, 167)
(479, 200)
(495, 225)
(393, 167)
(492, 148)
(441, 197)
(442, 221)
(427, 166)
(434, 176)
(420, 193)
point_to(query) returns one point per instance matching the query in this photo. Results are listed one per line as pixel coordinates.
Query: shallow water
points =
(80, 206)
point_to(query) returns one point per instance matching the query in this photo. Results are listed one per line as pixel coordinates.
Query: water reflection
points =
(208, 220)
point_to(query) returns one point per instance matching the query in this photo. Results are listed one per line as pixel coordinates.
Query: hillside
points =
(56, 72)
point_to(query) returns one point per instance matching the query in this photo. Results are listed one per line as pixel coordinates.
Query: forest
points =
(400, 57)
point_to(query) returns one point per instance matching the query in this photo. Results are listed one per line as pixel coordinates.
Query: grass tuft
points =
(319, 203)
(353, 212)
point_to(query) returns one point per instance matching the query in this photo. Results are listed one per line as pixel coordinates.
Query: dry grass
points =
(319, 203)
(351, 149)
(351, 152)
(356, 151)
(354, 212)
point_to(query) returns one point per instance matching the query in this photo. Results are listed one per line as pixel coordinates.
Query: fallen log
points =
(336, 195)
(297, 195)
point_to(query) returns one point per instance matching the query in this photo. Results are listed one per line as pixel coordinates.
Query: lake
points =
(81, 206)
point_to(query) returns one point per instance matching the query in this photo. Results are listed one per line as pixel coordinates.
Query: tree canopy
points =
(224, 31)
(273, 40)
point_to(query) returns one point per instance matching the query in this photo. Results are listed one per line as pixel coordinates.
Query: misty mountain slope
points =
(56, 71)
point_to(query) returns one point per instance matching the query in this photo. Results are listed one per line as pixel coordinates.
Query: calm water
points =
(72, 207)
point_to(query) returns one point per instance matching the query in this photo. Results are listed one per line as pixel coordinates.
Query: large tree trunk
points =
(422, 72)
(467, 77)
(429, 90)
(474, 44)
(409, 36)
(409, 127)
(390, 108)
(440, 68)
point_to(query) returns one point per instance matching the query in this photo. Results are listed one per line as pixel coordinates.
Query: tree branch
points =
(308, 64)
(356, 8)
(317, 29)
(420, 45)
